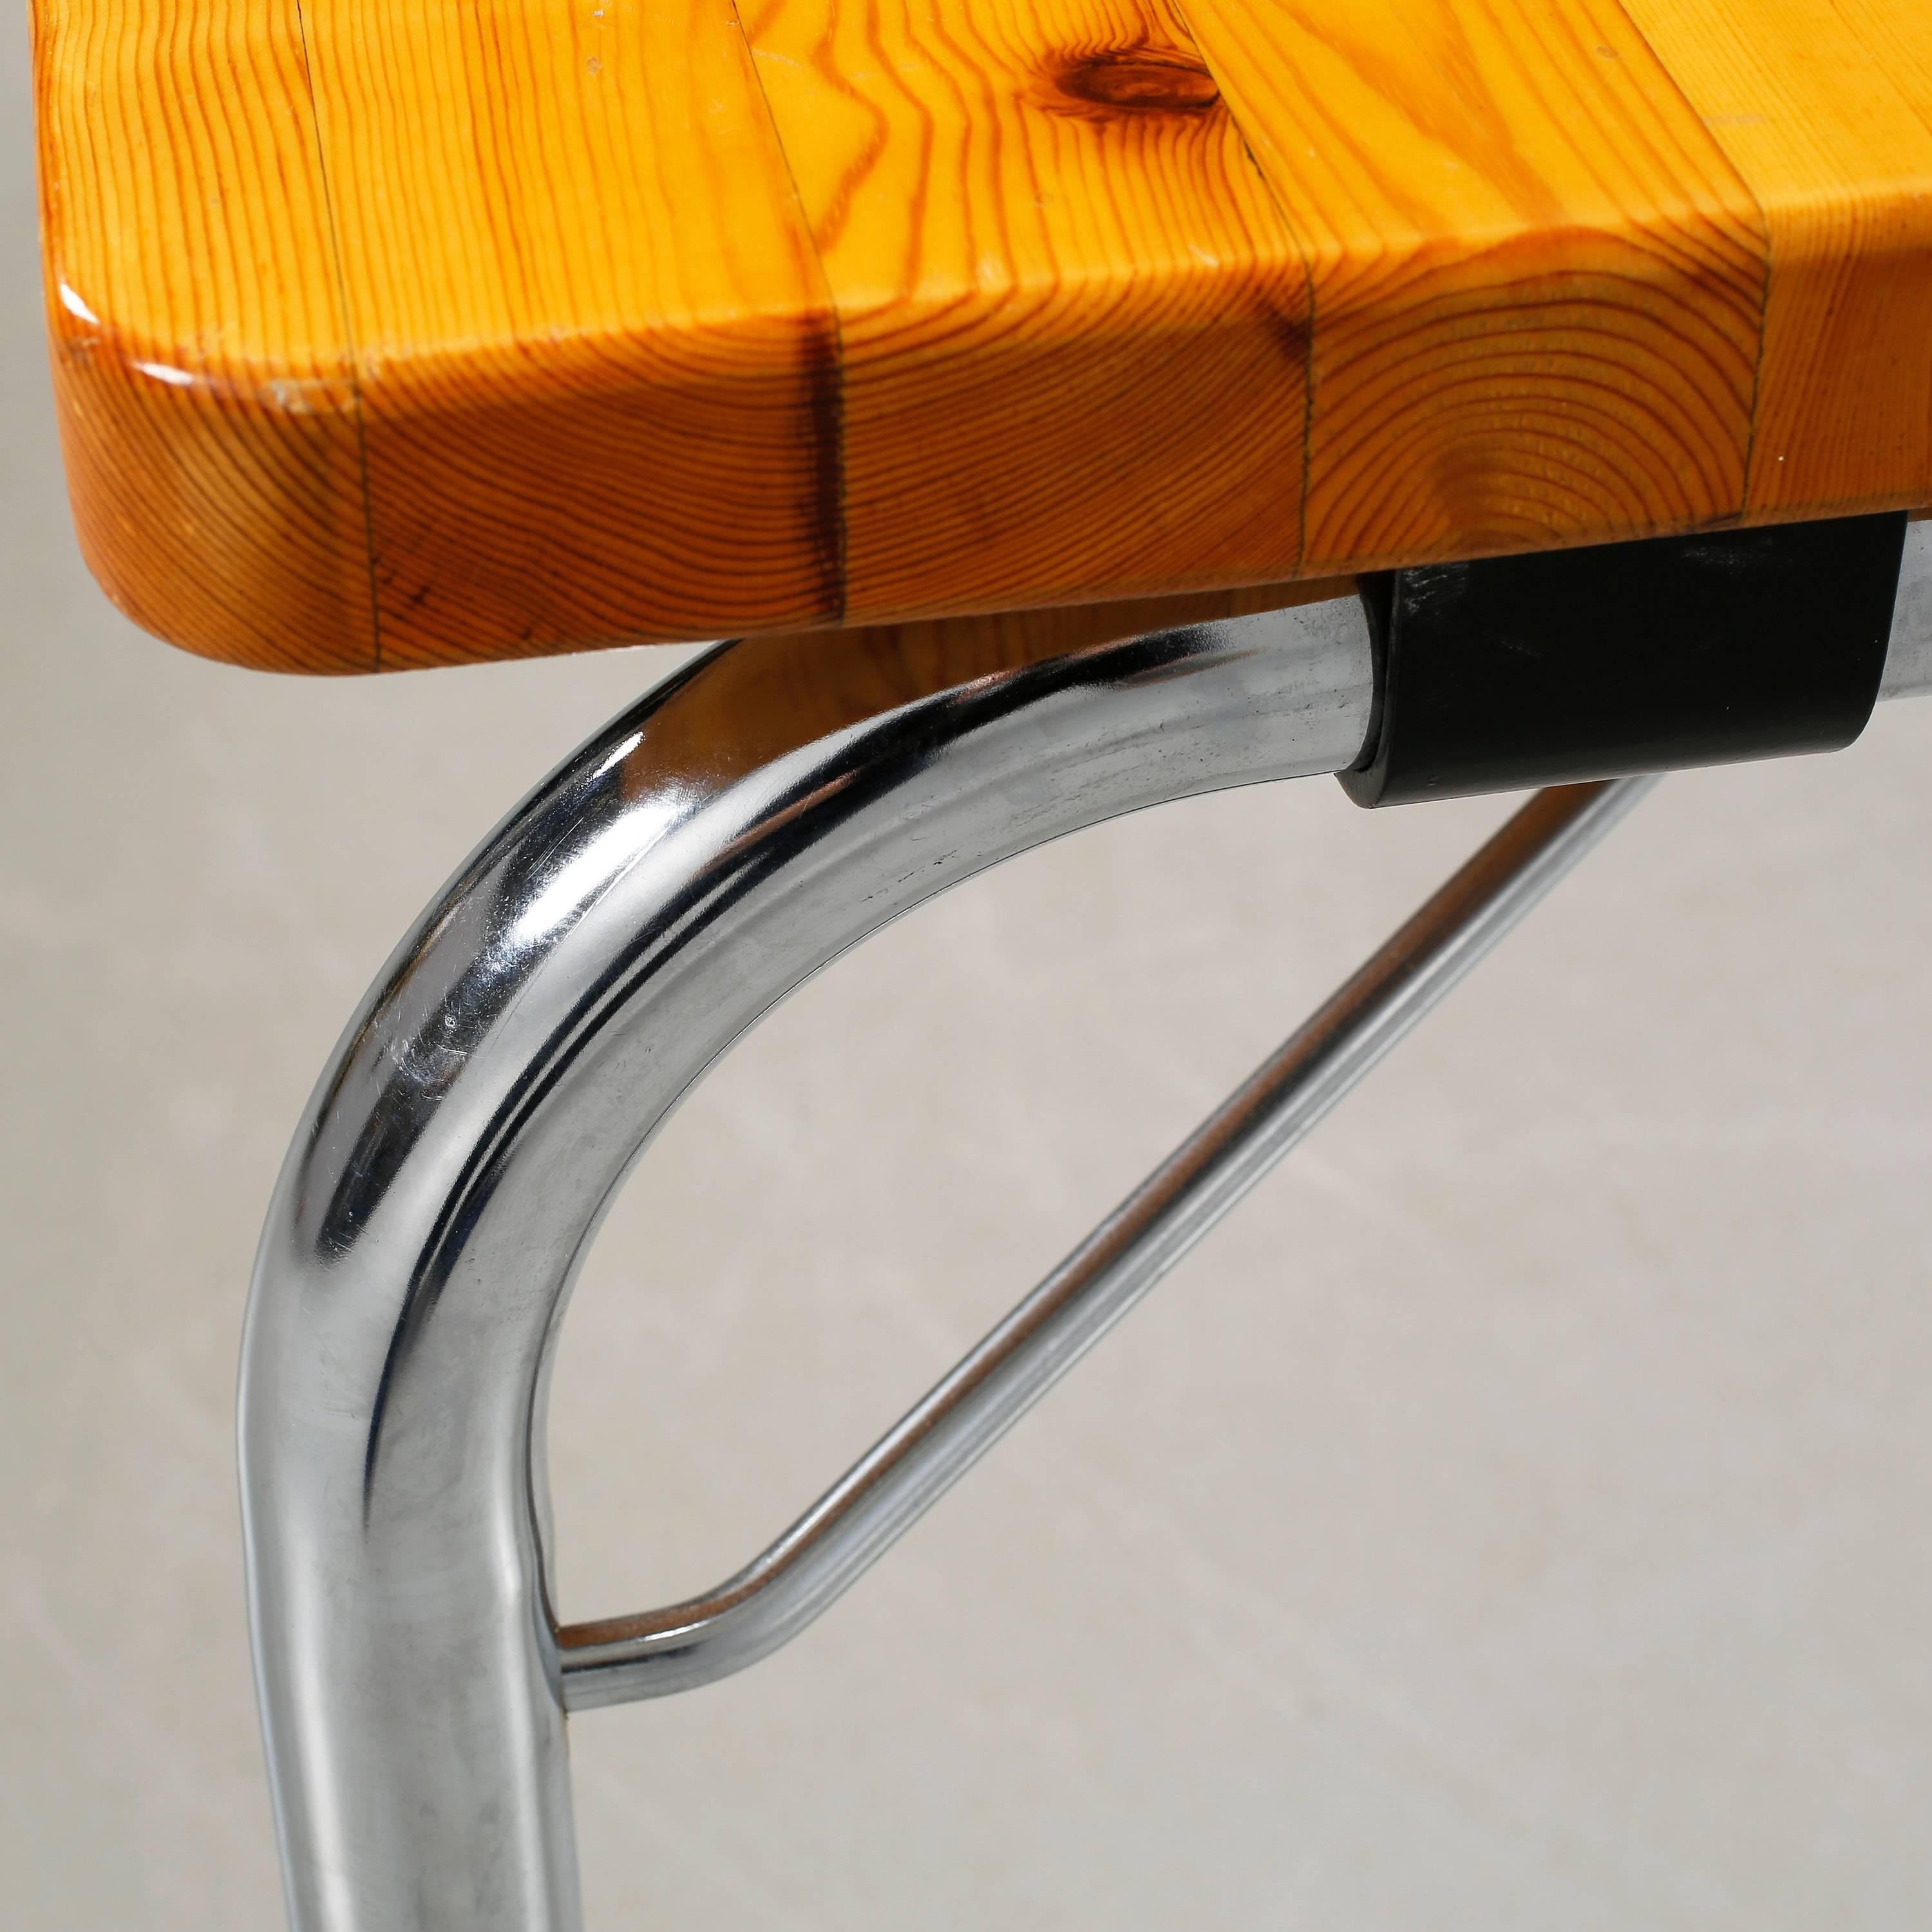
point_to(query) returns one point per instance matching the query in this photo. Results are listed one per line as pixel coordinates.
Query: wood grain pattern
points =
(597, 363)
(1074, 327)
(1825, 109)
(206, 394)
(391, 336)
(1538, 283)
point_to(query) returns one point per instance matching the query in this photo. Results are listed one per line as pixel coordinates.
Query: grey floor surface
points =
(1517, 1517)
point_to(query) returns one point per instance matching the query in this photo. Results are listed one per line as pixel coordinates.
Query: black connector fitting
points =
(1565, 665)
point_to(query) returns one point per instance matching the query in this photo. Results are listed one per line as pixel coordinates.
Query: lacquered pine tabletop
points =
(389, 334)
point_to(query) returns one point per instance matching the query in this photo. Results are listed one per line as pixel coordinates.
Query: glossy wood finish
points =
(1824, 106)
(1073, 324)
(393, 336)
(1538, 283)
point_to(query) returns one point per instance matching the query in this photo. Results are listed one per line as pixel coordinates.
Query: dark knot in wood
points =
(1141, 78)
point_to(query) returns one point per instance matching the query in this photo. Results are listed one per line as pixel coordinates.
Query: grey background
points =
(1516, 1516)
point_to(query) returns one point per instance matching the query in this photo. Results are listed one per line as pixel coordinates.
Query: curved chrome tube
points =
(766, 808)
(801, 1574)
(762, 810)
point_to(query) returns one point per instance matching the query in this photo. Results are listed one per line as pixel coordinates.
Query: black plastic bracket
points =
(1563, 665)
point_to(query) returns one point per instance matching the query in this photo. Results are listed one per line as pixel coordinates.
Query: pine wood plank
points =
(598, 366)
(387, 336)
(205, 390)
(1073, 325)
(1537, 281)
(1825, 108)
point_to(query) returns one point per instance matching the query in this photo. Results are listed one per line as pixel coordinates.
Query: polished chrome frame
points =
(805, 1570)
(768, 806)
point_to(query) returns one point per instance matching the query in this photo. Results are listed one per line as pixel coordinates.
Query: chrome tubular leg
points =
(711, 848)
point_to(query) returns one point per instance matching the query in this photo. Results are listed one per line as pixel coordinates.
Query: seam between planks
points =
(831, 455)
(1770, 246)
(1304, 249)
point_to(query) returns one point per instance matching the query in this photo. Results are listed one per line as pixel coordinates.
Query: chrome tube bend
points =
(769, 806)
